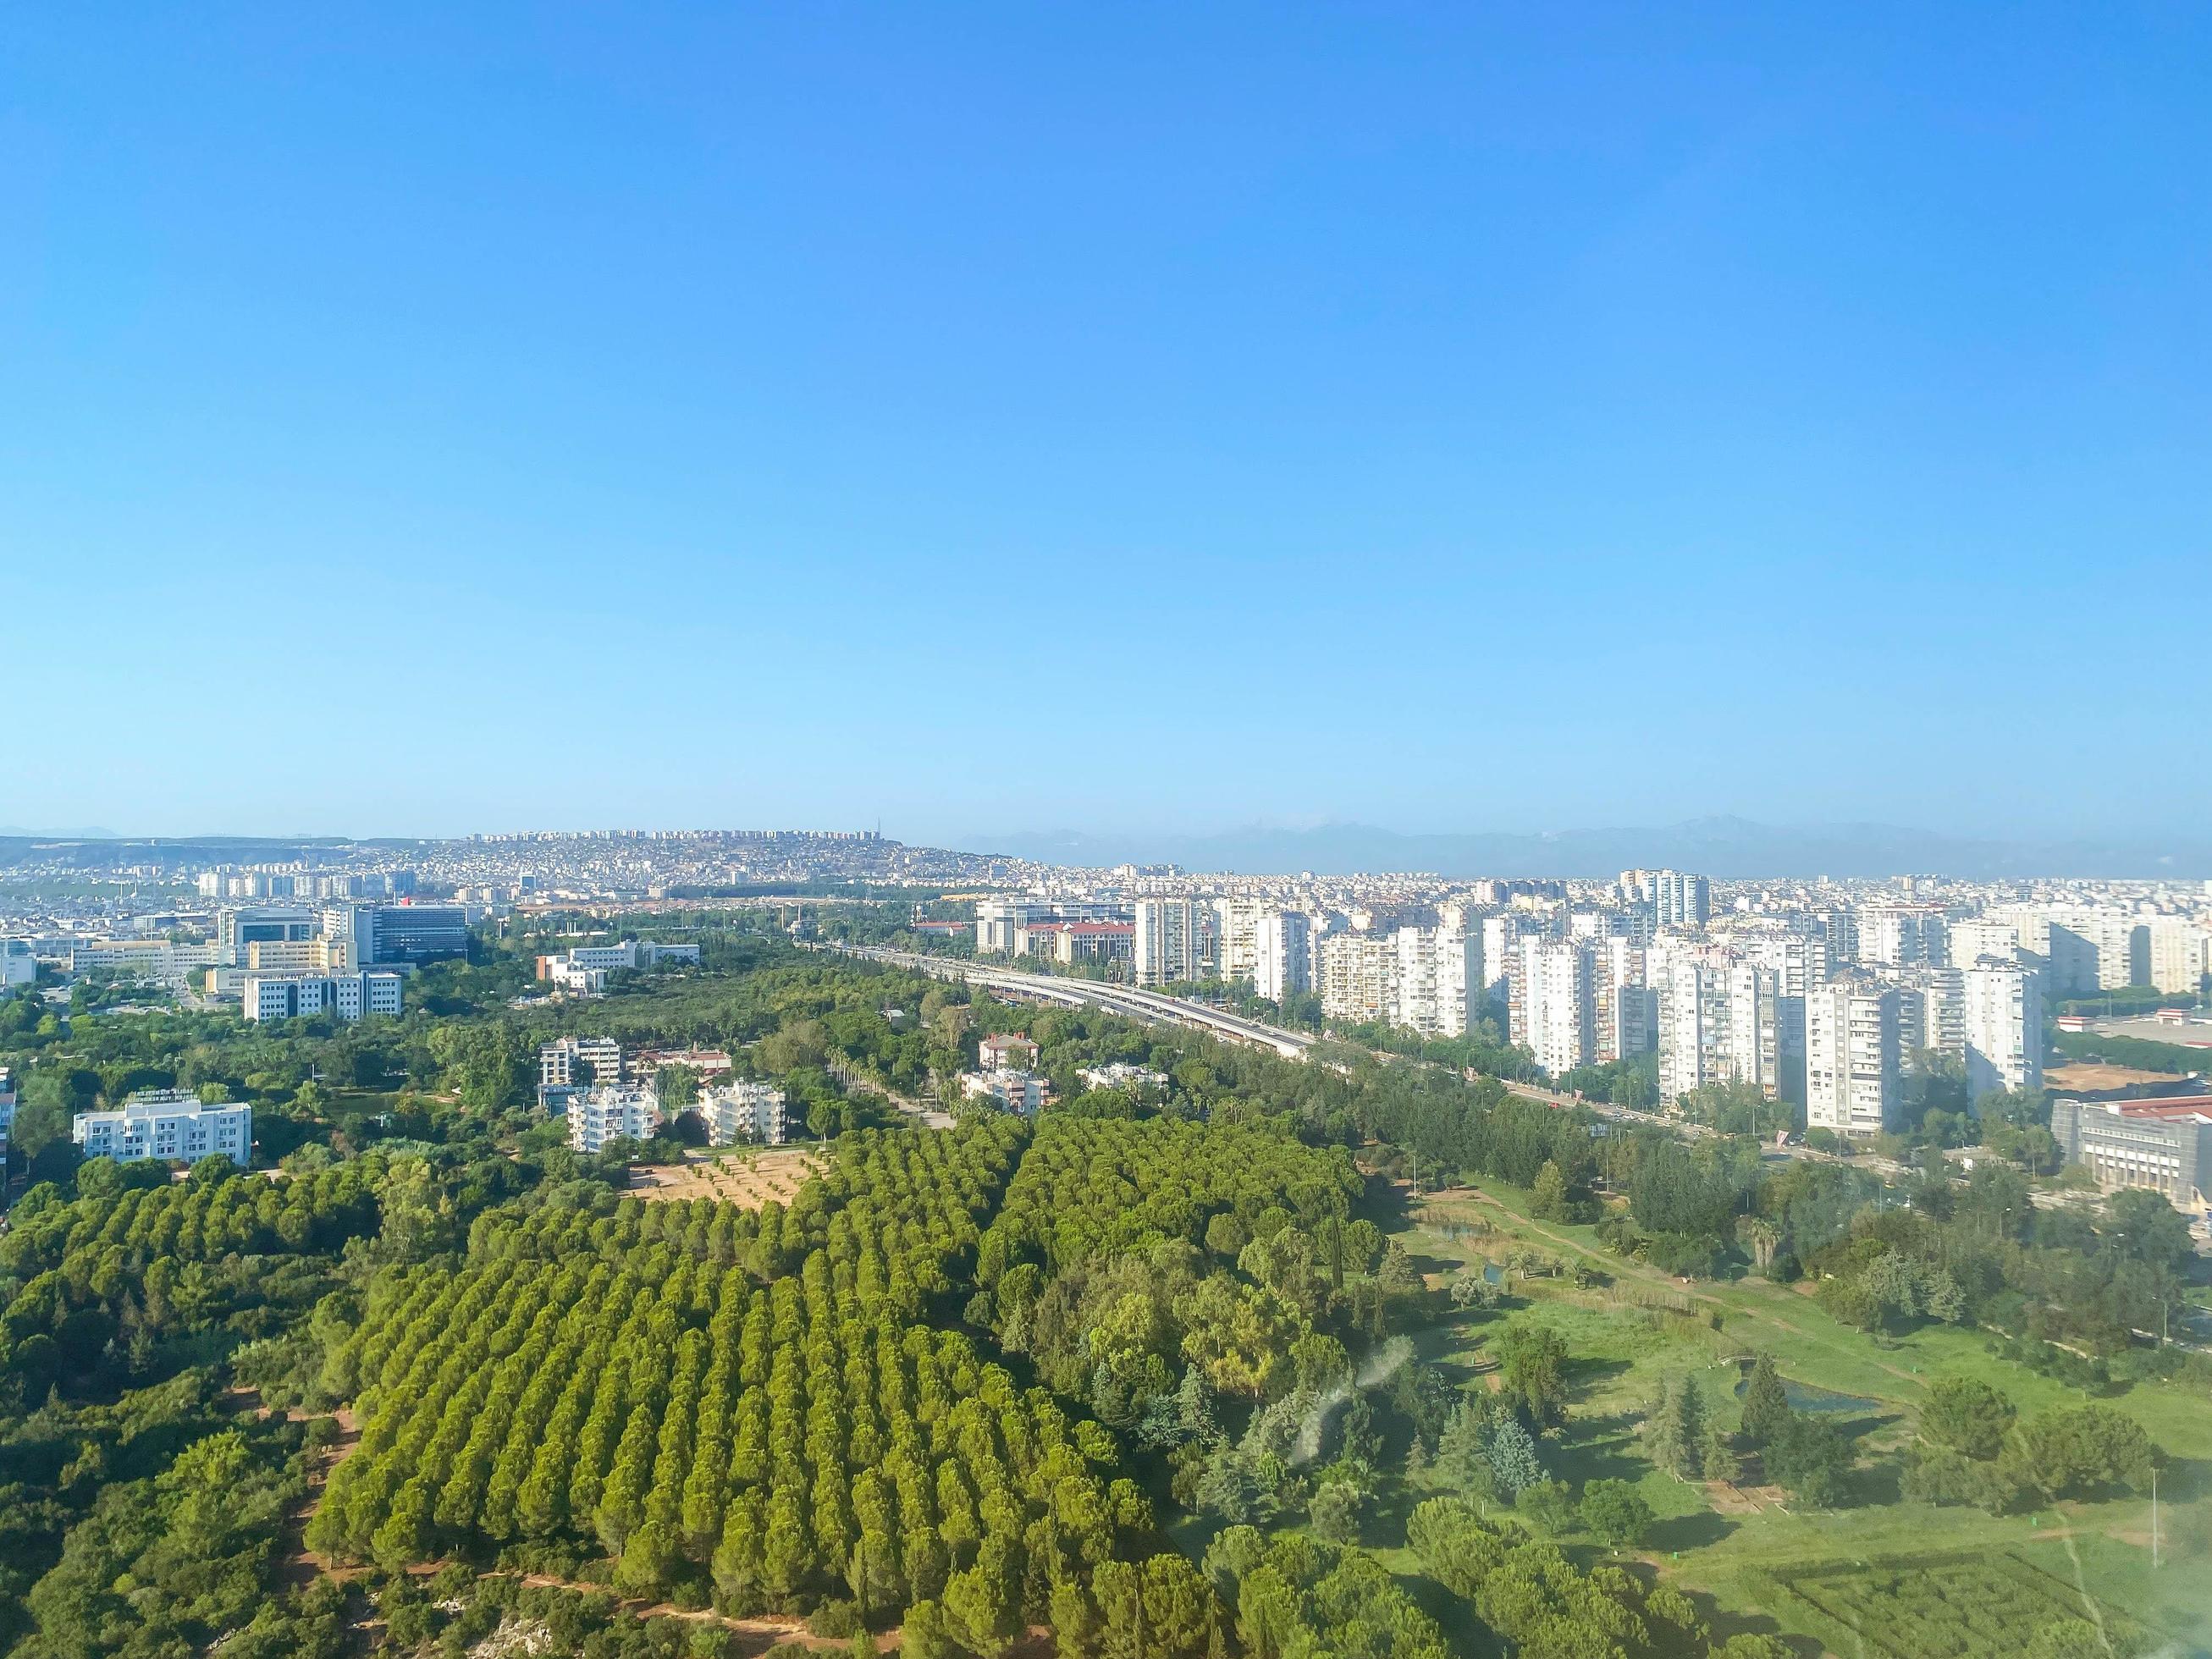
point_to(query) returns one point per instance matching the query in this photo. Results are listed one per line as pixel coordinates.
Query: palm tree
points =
(1761, 1238)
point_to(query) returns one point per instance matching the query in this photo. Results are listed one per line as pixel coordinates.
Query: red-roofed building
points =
(1076, 941)
(1007, 1051)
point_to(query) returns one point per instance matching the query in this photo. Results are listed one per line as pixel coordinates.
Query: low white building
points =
(18, 966)
(157, 959)
(1023, 1093)
(605, 958)
(610, 1111)
(578, 979)
(742, 1113)
(349, 996)
(1122, 1075)
(165, 1123)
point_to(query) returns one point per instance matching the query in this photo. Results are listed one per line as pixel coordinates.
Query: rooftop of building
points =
(2170, 1108)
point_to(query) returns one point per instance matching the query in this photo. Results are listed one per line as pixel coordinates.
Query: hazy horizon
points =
(1726, 848)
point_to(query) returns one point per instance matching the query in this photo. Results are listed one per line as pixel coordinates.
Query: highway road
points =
(1084, 992)
(1293, 1045)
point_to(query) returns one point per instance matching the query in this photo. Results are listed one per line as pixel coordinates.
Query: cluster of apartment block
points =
(297, 881)
(1818, 1003)
(168, 1124)
(1782, 1006)
(605, 1096)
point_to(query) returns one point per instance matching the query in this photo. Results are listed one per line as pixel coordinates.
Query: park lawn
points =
(1622, 1351)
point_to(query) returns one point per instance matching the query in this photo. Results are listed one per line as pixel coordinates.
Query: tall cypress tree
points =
(1766, 1406)
(1672, 1433)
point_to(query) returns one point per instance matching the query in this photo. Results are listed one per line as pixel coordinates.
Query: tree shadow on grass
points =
(2183, 1479)
(1881, 1483)
(1724, 1622)
(1688, 1531)
(1586, 1373)
(1385, 1203)
(1596, 1448)
(1424, 1263)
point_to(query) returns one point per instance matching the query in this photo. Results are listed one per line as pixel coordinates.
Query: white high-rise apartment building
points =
(1852, 1085)
(1692, 1002)
(1236, 929)
(1799, 962)
(1980, 936)
(2003, 1021)
(1625, 1012)
(1531, 924)
(567, 1066)
(1501, 936)
(1356, 971)
(2083, 949)
(2122, 942)
(1285, 958)
(1170, 941)
(1753, 1050)
(1433, 971)
(1680, 900)
(1719, 1021)
(1901, 935)
(608, 1112)
(2180, 955)
(1558, 1003)
(167, 1123)
(743, 1113)
(2069, 955)
(1931, 1010)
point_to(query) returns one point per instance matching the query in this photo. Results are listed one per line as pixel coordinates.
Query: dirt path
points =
(296, 1564)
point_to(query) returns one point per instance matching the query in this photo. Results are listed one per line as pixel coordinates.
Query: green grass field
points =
(1732, 1555)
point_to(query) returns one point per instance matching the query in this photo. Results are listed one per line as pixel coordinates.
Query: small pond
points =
(1817, 1402)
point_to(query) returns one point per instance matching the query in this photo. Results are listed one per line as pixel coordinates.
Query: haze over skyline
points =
(1137, 422)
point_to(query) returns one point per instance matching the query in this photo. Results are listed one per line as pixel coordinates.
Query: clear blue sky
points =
(422, 419)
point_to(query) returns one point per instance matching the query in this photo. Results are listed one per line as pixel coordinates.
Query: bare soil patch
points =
(746, 1177)
(2092, 1076)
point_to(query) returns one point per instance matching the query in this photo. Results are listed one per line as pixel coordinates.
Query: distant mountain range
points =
(1732, 847)
(16, 832)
